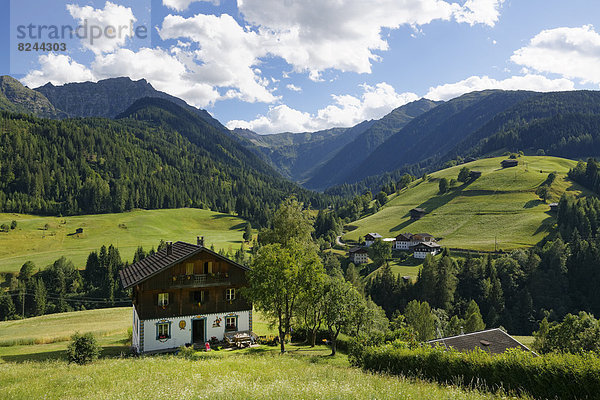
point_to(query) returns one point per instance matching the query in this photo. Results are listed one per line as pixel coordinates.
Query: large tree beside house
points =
(285, 267)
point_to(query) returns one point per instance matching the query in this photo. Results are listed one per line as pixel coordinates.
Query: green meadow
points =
(41, 371)
(45, 239)
(498, 209)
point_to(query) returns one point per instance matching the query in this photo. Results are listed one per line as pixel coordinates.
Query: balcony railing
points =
(201, 280)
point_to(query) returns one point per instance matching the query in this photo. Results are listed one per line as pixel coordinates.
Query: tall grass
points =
(245, 375)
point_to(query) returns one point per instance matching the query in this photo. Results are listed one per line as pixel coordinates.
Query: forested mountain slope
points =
(560, 124)
(297, 155)
(438, 131)
(347, 159)
(157, 155)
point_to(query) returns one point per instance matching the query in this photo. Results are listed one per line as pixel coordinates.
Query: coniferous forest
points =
(157, 155)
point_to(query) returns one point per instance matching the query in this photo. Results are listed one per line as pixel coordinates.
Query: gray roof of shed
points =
(494, 341)
(159, 261)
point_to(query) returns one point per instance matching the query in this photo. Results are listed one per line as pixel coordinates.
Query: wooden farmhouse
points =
(371, 237)
(509, 163)
(358, 255)
(417, 213)
(554, 207)
(421, 250)
(185, 294)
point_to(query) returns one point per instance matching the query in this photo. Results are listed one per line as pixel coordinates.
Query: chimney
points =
(200, 240)
(169, 248)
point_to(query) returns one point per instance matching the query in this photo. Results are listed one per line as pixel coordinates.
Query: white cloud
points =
(570, 52)
(227, 55)
(293, 88)
(108, 28)
(182, 5)
(475, 83)
(479, 12)
(375, 102)
(315, 35)
(279, 118)
(57, 69)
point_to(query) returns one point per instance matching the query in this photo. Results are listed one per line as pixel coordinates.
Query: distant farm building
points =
(358, 255)
(509, 163)
(474, 175)
(493, 341)
(417, 213)
(423, 249)
(371, 237)
(407, 241)
(403, 241)
(553, 207)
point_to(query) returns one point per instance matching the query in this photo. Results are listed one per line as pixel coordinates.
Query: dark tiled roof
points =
(374, 235)
(417, 209)
(494, 341)
(357, 249)
(404, 237)
(152, 265)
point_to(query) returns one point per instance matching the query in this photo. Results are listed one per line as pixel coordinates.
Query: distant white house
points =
(358, 255)
(371, 237)
(421, 250)
(405, 241)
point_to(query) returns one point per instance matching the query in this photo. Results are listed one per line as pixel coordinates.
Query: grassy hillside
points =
(127, 231)
(53, 328)
(40, 371)
(499, 206)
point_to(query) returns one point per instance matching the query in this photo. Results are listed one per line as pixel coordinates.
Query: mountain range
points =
(418, 137)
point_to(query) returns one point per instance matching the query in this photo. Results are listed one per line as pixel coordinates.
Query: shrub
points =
(83, 349)
(564, 376)
(186, 352)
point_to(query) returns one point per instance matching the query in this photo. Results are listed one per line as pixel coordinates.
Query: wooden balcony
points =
(203, 280)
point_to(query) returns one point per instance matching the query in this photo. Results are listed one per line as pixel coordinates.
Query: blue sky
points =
(292, 65)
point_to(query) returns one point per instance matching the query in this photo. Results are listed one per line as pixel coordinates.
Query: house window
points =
(231, 323)
(163, 299)
(199, 296)
(163, 330)
(208, 267)
(189, 269)
(230, 294)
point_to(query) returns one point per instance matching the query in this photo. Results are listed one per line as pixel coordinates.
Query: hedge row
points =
(563, 376)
